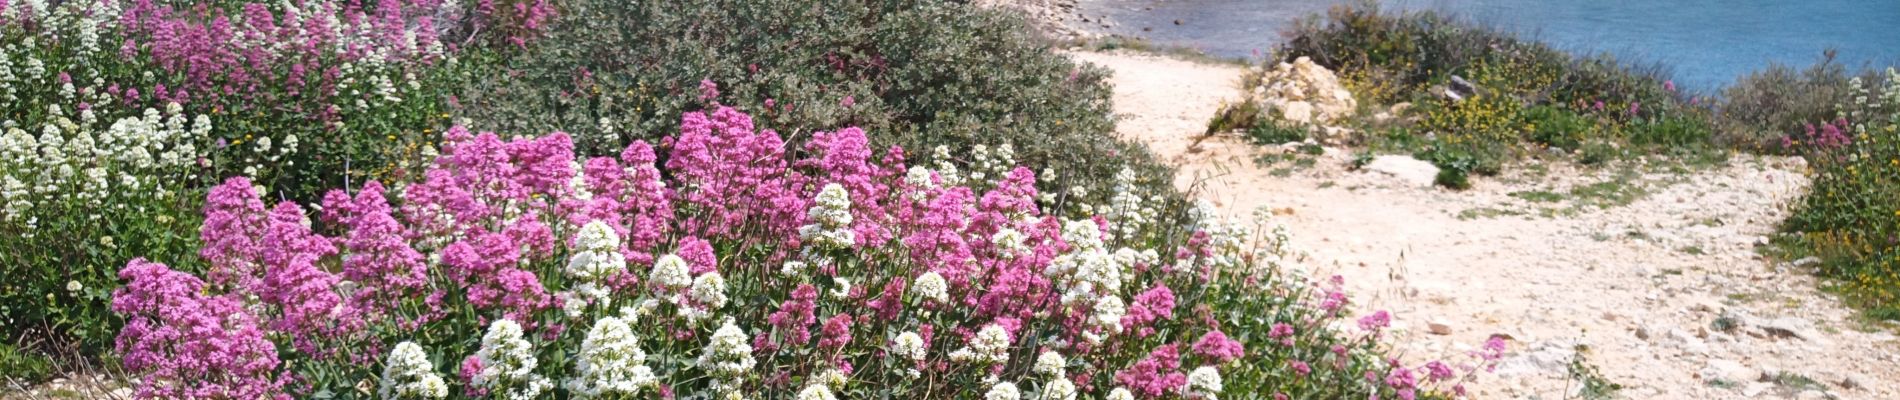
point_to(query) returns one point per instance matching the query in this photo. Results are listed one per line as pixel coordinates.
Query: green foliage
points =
(915, 73)
(23, 366)
(1275, 132)
(1560, 128)
(1764, 106)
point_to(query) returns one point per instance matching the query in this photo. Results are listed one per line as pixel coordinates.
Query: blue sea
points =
(1705, 43)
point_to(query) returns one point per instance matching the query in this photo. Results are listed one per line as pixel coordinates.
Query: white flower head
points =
(989, 345)
(408, 374)
(1205, 381)
(910, 345)
(670, 271)
(727, 358)
(1120, 394)
(611, 363)
(1052, 364)
(1058, 389)
(1002, 391)
(508, 363)
(709, 290)
(931, 286)
(816, 392)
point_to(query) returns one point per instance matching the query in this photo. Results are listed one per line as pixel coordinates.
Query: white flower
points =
(816, 392)
(408, 374)
(1058, 389)
(910, 345)
(1205, 381)
(1120, 394)
(794, 268)
(727, 358)
(670, 272)
(598, 259)
(1052, 364)
(990, 345)
(1108, 313)
(74, 286)
(831, 219)
(709, 290)
(931, 286)
(1002, 391)
(611, 363)
(508, 364)
(843, 290)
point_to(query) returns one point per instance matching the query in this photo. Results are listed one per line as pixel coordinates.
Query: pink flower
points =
(1299, 367)
(1156, 375)
(1378, 320)
(708, 91)
(837, 332)
(1217, 346)
(189, 344)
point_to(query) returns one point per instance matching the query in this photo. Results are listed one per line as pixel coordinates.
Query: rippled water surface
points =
(1706, 42)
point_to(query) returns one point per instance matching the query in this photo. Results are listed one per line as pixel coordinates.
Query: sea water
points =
(1705, 43)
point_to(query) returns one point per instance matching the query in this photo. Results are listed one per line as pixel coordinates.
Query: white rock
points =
(1729, 371)
(1409, 170)
(1756, 389)
(1438, 327)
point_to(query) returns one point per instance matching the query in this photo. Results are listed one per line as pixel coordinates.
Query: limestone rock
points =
(1729, 371)
(1411, 171)
(1305, 92)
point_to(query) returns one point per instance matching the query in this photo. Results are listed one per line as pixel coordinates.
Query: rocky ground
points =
(1646, 272)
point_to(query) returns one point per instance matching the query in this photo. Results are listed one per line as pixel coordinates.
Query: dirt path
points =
(1654, 272)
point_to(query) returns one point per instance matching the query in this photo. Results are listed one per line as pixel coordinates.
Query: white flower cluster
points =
(831, 220)
(1204, 381)
(508, 364)
(1003, 391)
(408, 374)
(76, 164)
(1120, 394)
(611, 364)
(910, 345)
(919, 179)
(1090, 276)
(1052, 364)
(1127, 213)
(597, 258)
(931, 287)
(709, 293)
(986, 165)
(670, 271)
(1228, 239)
(816, 392)
(946, 170)
(989, 346)
(727, 359)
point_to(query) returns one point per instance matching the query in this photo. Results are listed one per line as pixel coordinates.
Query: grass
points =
(1591, 383)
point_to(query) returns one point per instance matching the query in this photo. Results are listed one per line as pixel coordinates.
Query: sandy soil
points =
(1642, 291)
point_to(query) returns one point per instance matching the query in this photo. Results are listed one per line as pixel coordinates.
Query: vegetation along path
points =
(1630, 281)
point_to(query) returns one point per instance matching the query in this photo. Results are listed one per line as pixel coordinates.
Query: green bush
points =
(1557, 127)
(920, 74)
(1851, 216)
(1762, 107)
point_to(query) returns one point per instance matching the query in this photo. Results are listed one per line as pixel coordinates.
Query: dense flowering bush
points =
(1851, 216)
(724, 263)
(107, 115)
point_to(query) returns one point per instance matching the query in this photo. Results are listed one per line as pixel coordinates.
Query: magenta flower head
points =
(1670, 86)
(1217, 346)
(1636, 107)
(1378, 320)
(848, 102)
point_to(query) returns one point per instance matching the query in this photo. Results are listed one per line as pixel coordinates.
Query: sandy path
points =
(1641, 285)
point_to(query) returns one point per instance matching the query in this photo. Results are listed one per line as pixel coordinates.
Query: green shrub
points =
(1851, 216)
(1275, 132)
(1557, 127)
(917, 73)
(1762, 107)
